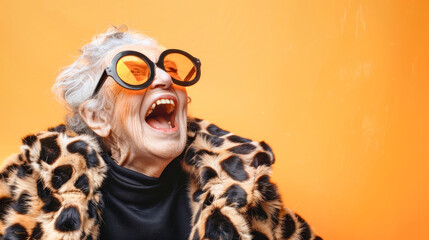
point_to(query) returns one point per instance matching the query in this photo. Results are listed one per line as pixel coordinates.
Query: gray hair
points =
(76, 83)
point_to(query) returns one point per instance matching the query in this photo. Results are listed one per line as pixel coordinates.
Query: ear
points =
(95, 120)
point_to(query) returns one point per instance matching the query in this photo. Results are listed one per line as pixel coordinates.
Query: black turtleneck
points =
(138, 207)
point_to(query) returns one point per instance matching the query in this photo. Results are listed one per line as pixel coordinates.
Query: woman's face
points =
(150, 123)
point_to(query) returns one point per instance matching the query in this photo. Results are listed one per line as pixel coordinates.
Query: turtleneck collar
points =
(142, 207)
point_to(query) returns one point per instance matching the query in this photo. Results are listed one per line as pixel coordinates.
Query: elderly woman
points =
(129, 164)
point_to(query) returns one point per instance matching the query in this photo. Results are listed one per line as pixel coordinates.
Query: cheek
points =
(127, 113)
(182, 96)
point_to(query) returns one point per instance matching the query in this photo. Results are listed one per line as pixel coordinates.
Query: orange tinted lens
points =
(180, 67)
(133, 70)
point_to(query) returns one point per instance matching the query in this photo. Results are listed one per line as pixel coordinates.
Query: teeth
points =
(162, 101)
(170, 108)
(169, 124)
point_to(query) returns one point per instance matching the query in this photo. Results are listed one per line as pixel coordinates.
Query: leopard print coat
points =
(51, 189)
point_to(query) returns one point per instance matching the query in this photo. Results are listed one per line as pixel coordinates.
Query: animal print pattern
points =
(232, 195)
(51, 189)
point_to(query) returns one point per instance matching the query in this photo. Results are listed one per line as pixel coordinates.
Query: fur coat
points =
(50, 190)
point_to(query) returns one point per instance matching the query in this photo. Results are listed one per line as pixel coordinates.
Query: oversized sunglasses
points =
(133, 70)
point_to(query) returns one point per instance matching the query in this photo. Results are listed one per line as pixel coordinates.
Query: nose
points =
(162, 79)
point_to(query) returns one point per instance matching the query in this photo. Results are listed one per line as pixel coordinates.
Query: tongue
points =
(158, 122)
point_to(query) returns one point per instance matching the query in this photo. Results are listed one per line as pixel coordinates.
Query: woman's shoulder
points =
(231, 193)
(52, 181)
(230, 183)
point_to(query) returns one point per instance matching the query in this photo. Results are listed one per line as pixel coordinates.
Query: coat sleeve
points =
(50, 189)
(232, 196)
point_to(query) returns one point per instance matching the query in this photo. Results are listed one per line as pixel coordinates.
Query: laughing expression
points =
(149, 123)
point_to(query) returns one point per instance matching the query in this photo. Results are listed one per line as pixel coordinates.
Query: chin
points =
(167, 149)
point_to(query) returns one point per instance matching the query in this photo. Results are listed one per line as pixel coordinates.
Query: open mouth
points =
(161, 114)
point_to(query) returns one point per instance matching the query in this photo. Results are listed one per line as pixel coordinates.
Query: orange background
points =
(339, 89)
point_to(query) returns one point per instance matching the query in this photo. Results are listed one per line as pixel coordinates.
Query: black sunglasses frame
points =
(111, 70)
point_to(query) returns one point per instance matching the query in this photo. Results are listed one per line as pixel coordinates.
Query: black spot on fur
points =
(208, 201)
(192, 126)
(60, 128)
(27, 154)
(5, 203)
(37, 232)
(189, 141)
(219, 226)
(89, 237)
(288, 226)
(12, 188)
(233, 166)
(258, 235)
(305, 228)
(92, 209)
(50, 149)
(266, 147)
(205, 152)
(25, 170)
(197, 216)
(82, 183)
(22, 205)
(235, 196)
(69, 220)
(258, 213)
(207, 174)
(244, 148)
(238, 139)
(267, 189)
(11, 168)
(92, 159)
(78, 147)
(5, 174)
(275, 217)
(215, 141)
(29, 140)
(61, 175)
(81, 147)
(43, 192)
(196, 195)
(261, 158)
(318, 238)
(15, 232)
(52, 204)
(189, 157)
(99, 207)
(215, 130)
(196, 235)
